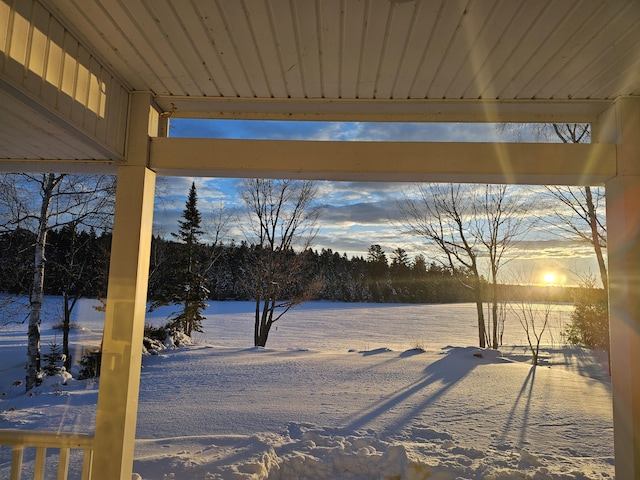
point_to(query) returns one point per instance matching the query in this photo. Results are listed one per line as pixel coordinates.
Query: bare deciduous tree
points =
(499, 218)
(468, 223)
(582, 215)
(533, 314)
(281, 216)
(443, 214)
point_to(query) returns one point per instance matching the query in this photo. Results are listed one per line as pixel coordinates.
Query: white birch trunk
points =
(34, 372)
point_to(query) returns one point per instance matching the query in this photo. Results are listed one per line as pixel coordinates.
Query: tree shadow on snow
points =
(524, 396)
(445, 373)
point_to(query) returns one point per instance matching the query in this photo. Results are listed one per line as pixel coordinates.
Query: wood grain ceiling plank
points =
(489, 79)
(621, 80)
(179, 47)
(283, 27)
(215, 23)
(601, 46)
(425, 17)
(94, 25)
(156, 37)
(307, 41)
(578, 52)
(480, 47)
(330, 34)
(532, 51)
(246, 48)
(464, 47)
(399, 29)
(32, 136)
(213, 78)
(352, 47)
(556, 46)
(16, 134)
(375, 28)
(447, 22)
(260, 21)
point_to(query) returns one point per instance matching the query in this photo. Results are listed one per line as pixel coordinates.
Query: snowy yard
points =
(341, 391)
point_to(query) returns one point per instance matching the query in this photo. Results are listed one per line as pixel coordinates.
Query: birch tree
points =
(41, 202)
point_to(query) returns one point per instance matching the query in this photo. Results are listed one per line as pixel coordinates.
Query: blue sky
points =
(358, 214)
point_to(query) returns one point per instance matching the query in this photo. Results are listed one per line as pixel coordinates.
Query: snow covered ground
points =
(342, 391)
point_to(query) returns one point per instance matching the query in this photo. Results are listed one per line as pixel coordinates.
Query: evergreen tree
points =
(53, 361)
(590, 320)
(378, 271)
(400, 271)
(188, 286)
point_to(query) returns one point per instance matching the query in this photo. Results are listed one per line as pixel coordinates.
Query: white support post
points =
(621, 125)
(126, 304)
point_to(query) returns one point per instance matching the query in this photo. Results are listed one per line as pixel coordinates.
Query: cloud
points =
(351, 131)
(374, 213)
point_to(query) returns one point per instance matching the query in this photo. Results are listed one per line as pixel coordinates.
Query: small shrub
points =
(54, 360)
(90, 364)
(155, 333)
(155, 339)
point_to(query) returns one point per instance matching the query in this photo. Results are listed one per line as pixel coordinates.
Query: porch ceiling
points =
(344, 59)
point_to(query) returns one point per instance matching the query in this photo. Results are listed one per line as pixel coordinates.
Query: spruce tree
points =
(191, 279)
(188, 285)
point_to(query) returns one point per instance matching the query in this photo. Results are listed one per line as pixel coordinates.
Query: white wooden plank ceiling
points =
(353, 58)
(367, 49)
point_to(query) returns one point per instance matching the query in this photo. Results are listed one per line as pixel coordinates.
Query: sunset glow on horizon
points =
(551, 278)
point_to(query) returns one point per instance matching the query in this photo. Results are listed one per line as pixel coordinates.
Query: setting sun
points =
(549, 278)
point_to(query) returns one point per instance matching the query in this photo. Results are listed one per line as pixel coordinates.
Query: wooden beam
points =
(396, 110)
(97, 167)
(515, 163)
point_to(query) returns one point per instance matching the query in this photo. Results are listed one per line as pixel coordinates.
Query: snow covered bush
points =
(90, 364)
(162, 338)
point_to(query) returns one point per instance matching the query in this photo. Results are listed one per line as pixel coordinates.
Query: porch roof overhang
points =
(66, 73)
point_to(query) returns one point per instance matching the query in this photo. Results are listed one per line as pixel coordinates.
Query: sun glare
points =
(549, 278)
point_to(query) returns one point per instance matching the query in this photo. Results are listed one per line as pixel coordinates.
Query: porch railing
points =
(64, 443)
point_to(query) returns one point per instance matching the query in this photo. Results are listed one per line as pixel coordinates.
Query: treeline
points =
(355, 279)
(374, 278)
(77, 263)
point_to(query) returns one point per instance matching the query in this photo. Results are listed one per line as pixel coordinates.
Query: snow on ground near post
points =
(343, 391)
